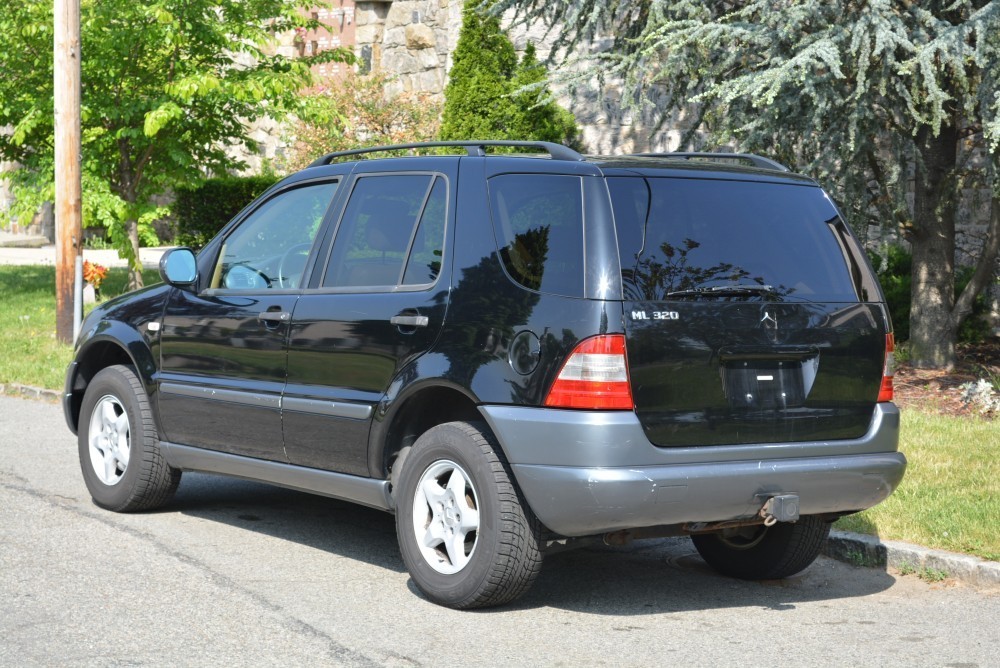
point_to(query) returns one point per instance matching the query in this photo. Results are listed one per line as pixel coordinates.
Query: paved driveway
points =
(237, 573)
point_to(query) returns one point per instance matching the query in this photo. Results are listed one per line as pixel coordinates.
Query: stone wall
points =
(412, 39)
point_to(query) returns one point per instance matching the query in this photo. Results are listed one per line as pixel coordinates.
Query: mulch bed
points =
(938, 391)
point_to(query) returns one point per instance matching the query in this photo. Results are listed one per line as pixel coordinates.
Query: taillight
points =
(595, 376)
(885, 392)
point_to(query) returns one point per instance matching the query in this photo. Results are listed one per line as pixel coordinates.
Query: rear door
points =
(376, 304)
(750, 315)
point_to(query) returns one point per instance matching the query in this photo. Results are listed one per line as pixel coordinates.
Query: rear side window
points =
(677, 237)
(538, 223)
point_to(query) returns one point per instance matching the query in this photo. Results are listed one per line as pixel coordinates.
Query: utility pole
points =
(68, 206)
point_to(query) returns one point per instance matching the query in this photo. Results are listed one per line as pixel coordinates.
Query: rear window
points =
(538, 223)
(678, 238)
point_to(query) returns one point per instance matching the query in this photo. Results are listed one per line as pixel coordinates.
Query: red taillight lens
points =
(885, 392)
(595, 376)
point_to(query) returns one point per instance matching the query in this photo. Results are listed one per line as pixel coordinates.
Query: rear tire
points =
(119, 448)
(467, 538)
(764, 553)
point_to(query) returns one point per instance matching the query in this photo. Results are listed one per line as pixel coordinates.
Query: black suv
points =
(513, 353)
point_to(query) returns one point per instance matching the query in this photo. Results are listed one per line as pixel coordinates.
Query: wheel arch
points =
(118, 344)
(399, 422)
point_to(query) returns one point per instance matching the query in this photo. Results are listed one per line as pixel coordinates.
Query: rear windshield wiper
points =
(724, 291)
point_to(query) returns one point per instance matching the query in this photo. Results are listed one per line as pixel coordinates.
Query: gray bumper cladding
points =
(585, 473)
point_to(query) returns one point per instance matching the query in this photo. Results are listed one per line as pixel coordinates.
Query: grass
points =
(949, 499)
(29, 351)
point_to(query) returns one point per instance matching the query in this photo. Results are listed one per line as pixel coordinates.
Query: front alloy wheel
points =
(109, 439)
(119, 447)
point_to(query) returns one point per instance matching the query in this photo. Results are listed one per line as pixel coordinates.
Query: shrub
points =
(203, 209)
(355, 113)
(491, 95)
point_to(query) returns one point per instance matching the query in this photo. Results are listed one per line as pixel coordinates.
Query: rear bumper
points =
(585, 473)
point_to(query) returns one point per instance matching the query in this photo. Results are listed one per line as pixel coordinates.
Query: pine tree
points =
(858, 93)
(483, 99)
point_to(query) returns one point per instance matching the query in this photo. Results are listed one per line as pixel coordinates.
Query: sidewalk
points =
(22, 249)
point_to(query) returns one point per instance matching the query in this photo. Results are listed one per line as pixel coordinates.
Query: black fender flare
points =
(110, 342)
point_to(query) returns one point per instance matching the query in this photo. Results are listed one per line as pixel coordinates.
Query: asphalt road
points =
(234, 573)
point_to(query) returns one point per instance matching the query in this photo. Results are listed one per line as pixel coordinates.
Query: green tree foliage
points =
(863, 94)
(492, 95)
(168, 90)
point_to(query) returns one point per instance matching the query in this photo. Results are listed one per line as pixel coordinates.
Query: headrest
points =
(389, 226)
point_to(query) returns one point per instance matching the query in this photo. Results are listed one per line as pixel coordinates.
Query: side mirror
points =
(178, 267)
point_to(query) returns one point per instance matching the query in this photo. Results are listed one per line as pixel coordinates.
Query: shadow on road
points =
(647, 577)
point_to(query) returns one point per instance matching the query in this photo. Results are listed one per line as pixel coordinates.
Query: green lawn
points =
(29, 351)
(949, 499)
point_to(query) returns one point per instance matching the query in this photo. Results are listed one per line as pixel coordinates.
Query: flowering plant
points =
(94, 273)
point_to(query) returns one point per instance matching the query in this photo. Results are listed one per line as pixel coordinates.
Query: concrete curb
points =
(30, 392)
(873, 552)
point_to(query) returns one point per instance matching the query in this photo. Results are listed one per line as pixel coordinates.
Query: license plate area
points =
(768, 378)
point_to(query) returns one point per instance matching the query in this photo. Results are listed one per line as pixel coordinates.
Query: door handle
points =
(274, 316)
(410, 320)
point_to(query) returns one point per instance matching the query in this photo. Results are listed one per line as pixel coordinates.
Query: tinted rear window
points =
(678, 235)
(538, 223)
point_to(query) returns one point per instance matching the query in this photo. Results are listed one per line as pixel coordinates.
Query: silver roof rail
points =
(473, 148)
(755, 160)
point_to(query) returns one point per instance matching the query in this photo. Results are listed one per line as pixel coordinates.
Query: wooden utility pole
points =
(68, 208)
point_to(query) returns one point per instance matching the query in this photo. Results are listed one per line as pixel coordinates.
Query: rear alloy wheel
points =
(764, 553)
(119, 447)
(466, 537)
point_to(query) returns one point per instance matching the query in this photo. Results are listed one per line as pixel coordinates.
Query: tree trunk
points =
(985, 266)
(933, 327)
(135, 269)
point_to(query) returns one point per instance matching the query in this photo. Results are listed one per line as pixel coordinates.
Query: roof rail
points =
(473, 148)
(756, 160)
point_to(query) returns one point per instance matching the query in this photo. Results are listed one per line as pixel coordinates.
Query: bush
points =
(492, 95)
(202, 210)
(355, 112)
(894, 273)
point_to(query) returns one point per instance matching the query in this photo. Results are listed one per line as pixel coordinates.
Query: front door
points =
(378, 305)
(224, 349)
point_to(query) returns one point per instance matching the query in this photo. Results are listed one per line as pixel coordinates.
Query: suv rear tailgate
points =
(750, 314)
(734, 373)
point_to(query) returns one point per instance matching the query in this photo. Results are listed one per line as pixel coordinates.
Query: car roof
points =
(743, 166)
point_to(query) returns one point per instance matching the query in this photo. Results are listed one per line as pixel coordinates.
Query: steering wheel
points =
(242, 277)
(292, 264)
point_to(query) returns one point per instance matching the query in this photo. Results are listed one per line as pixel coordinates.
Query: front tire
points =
(119, 448)
(764, 553)
(467, 538)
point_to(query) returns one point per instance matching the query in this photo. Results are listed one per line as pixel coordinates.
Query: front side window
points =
(538, 223)
(269, 249)
(392, 233)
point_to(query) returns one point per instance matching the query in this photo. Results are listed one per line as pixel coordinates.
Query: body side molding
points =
(366, 491)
